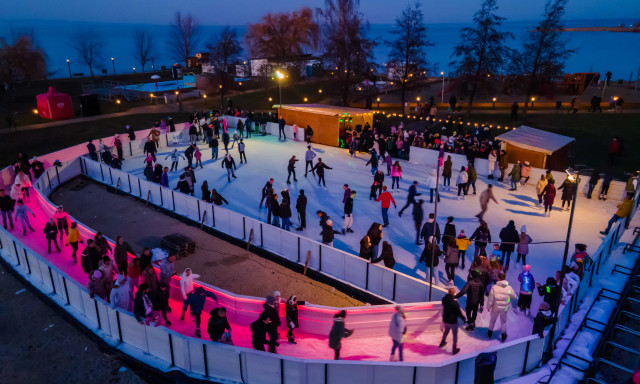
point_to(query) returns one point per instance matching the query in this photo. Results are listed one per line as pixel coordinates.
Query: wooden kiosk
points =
(327, 121)
(542, 149)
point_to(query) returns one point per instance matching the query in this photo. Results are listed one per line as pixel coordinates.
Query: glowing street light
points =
(69, 65)
(532, 100)
(113, 64)
(35, 111)
(442, 98)
(305, 100)
(378, 100)
(494, 103)
(134, 69)
(280, 76)
(319, 90)
(204, 97)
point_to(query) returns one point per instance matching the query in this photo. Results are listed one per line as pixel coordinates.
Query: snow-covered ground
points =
(268, 157)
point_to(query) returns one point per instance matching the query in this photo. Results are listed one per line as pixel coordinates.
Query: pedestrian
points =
(523, 245)
(281, 133)
(196, 301)
(375, 236)
(433, 186)
(373, 160)
(285, 213)
(266, 190)
(500, 299)
(450, 314)
(461, 182)
(96, 286)
(291, 169)
(593, 180)
(6, 209)
(92, 151)
(133, 273)
(449, 233)
(474, 289)
(51, 234)
(73, 238)
(142, 305)
(396, 175)
(543, 319)
(548, 195)
(624, 209)
(386, 199)
(216, 198)
(485, 197)
(604, 189)
(514, 111)
(259, 331)
(550, 292)
(338, 332)
(319, 168)
(308, 133)
(568, 190)
(418, 215)
(366, 248)
(308, 157)
(482, 236)
(167, 269)
(271, 309)
(121, 295)
(348, 212)
(186, 288)
(431, 228)
(291, 310)
(301, 207)
(218, 327)
(446, 172)
(472, 176)
(386, 256)
(462, 242)
(451, 260)
(509, 237)
(540, 188)
(397, 330)
(527, 285)
(230, 165)
(328, 233)
(22, 212)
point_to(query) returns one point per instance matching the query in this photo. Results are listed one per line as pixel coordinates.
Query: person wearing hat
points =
(292, 317)
(451, 312)
(397, 330)
(523, 245)
(121, 295)
(196, 301)
(338, 332)
(328, 233)
(624, 209)
(525, 173)
(348, 212)
(500, 299)
(462, 242)
(61, 219)
(96, 285)
(449, 233)
(130, 133)
(543, 319)
(581, 258)
(259, 331)
(270, 309)
(527, 285)
(474, 289)
(37, 168)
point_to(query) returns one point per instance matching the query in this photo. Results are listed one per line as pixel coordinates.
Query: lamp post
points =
(378, 100)
(69, 66)
(442, 98)
(280, 76)
(493, 106)
(113, 64)
(532, 100)
(204, 98)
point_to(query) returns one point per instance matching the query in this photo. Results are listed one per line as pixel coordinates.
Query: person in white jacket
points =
(397, 330)
(25, 182)
(493, 157)
(461, 181)
(432, 182)
(501, 297)
(186, 288)
(121, 295)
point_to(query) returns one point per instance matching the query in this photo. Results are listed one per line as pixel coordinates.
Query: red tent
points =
(54, 105)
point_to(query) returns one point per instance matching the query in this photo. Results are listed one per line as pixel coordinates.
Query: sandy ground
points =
(44, 336)
(218, 262)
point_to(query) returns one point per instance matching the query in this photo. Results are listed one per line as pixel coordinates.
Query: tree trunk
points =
(403, 87)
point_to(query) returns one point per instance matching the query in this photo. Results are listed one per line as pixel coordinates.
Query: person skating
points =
(216, 198)
(540, 188)
(348, 213)
(275, 210)
(22, 211)
(523, 245)
(450, 314)
(418, 216)
(515, 175)
(472, 177)
(121, 295)
(309, 134)
(550, 292)
(61, 220)
(474, 289)
(167, 269)
(73, 238)
(396, 175)
(386, 256)
(6, 209)
(624, 209)
(548, 195)
(461, 182)
(338, 332)
(543, 319)
(482, 236)
(230, 165)
(308, 161)
(462, 243)
(568, 190)
(527, 285)
(397, 330)
(301, 207)
(270, 308)
(449, 233)
(259, 331)
(366, 248)
(175, 159)
(319, 168)
(503, 164)
(266, 191)
(285, 212)
(451, 260)
(446, 172)
(51, 234)
(509, 237)
(291, 313)
(218, 326)
(385, 200)
(604, 188)
(492, 158)
(411, 199)
(378, 180)
(193, 134)
(525, 172)
(225, 140)
(196, 301)
(214, 145)
(328, 233)
(373, 160)
(186, 288)
(428, 229)
(143, 306)
(485, 197)
(206, 194)
(242, 152)
(281, 125)
(291, 169)
(431, 255)
(375, 235)
(498, 304)
(433, 186)
(160, 301)
(96, 285)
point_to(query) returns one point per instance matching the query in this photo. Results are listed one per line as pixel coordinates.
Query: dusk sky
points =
(217, 12)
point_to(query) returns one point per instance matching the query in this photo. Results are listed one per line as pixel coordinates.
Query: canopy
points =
(323, 109)
(535, 139)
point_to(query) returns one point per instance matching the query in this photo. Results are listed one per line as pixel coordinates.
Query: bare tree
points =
(89, 47)
(183, 41)
(143, 45)
(21, 60)
(223, 49)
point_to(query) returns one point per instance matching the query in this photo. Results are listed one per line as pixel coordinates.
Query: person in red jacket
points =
(386, 199)
(548, 195)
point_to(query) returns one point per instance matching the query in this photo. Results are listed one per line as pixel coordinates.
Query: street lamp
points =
(280, 76)
(113, 64)
(494, 103)
(442, 99)
(319, 90)
(305, 99)
(378, 100)
(532, 100)
(204, 98)
(69, 65)
(134, 69)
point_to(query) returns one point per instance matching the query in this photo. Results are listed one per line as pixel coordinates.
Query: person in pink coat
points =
(548, 195)
(198, 156)
(396, 175)
(525, 172)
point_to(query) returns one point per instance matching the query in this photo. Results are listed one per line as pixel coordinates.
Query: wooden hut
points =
(541, 148)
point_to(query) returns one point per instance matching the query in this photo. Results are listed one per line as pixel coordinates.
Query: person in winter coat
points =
(291, 313)
(446, 172)
(500, 299)
(604, 188)
(624, 209)
(397, 330)
(509, 237)
(433, 186)
(133, 273)
(96, 285)
(319, 168)
(73, 238)
(230, 165)
(431, 255)
(301, 207)
(196, 302)
(449, 233)
(102, 244)
(328, 233)
(542, 183)
(160, 300)
(411, 199)
(175, 159)
(503, 164)
(548, 195)
(309, 155)
(51, 234)
(450, 314)
(386, 255)
(291, 168)
(92, 151)
(338, 332)
(582, 259)
(121, 295)
(61, 221)
(485, 197)
(167, 269)
(386, 199)
(186, 288)
(150, 277)
(142, 305)
(6, 209)
(259, 331)
(418, 216)
(21, 212)
(451, 260)
(550, 292)
(285, 213)
(430, 228)
(525, 172)
(274, 206)
(527, 285)
(366, 248)
(482, 236)
(523, 245)
(90, 257)
(348, 212)
(472, 176)
(593, 180)
(271, 309)
(375, 236)
(543, 319)
(373, 160)
(396, 175)
(474, 289)
(218, 325)
(461, 182)
(183, 185)
(216, 198)
(206, 194)
(378, 181)
(568, 190)
(462, 243)
(493, 158)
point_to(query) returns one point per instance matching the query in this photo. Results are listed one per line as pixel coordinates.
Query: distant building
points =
(304, 65)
